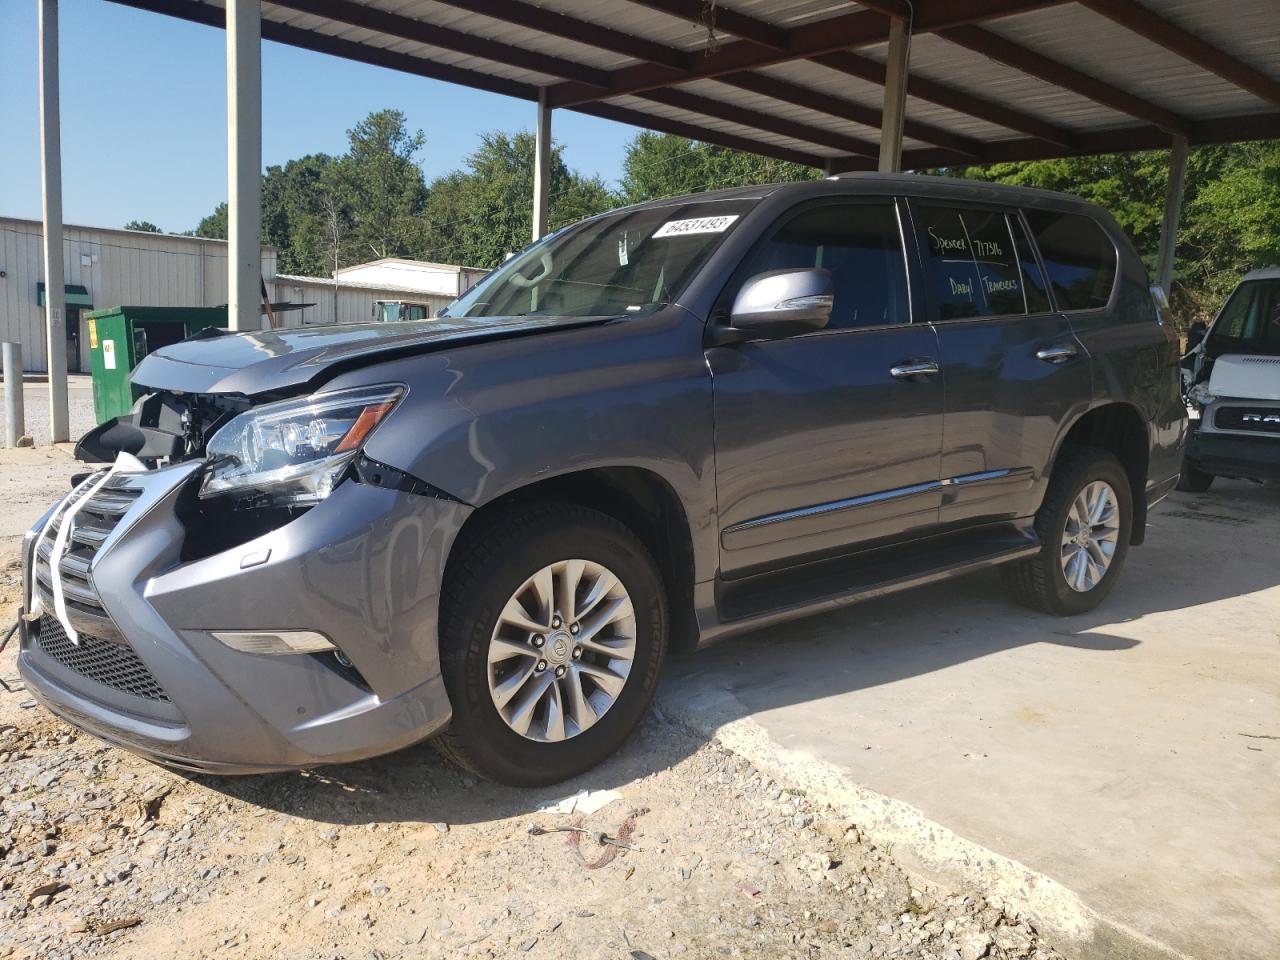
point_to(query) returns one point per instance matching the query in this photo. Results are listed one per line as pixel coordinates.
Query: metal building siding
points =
(355, 303)
(125, 267)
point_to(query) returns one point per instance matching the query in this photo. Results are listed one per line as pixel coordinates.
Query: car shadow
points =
(871, 644)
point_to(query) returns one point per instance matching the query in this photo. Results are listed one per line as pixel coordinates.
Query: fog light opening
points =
(275, 642)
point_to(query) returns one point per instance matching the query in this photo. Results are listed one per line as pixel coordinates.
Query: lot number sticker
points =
(678, 228)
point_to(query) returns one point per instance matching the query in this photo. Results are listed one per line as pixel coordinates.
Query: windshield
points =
(622, 263)
(1250, 322)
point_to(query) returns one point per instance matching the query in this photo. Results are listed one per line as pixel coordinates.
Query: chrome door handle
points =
(1059, 353)
(921, 368)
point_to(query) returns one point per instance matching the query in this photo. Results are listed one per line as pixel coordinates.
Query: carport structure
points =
(838, 85)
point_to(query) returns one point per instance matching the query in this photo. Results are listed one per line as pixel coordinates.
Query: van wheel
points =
(1192, 479)
(553, 628)
(1084, 523)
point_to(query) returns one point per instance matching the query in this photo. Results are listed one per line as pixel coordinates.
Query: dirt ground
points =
(406, 857)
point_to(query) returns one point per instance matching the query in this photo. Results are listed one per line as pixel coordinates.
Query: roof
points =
(1263, 273)
(801, 80)
(38, 225)
(289, 279)
(406, 262)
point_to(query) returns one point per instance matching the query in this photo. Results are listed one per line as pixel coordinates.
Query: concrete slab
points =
(1117, 775)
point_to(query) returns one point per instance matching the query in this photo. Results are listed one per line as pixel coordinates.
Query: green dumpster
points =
(120, 337)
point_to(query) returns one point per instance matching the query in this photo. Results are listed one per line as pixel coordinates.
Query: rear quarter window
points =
(1078, 256)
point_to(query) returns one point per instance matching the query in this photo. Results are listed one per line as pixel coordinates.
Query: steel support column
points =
(895, 96)
(542, 168)
(51, 215)
(244, 164)
(1172, 213)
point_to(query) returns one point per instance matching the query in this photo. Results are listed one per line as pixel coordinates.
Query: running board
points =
(825, 585)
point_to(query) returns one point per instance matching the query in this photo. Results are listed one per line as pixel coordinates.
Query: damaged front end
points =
(239, 588)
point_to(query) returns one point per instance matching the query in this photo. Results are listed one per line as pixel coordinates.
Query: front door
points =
(827, 442)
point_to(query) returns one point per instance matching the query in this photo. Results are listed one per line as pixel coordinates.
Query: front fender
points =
(484, 420)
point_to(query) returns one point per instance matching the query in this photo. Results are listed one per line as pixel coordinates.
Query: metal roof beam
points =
(861, 28)
(777, 89)
(1137, 18)
(419, 31)
(1233, 129)
(305, 39)
(570, 28)
(611, 111)
(960, 101)
(749, 118)
(1059, 74)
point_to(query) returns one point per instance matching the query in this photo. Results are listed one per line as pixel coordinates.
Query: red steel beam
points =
(570, 28)
(408, 28)
(858, 29)
(778, 89)
(1137, 18)
(1059, 74)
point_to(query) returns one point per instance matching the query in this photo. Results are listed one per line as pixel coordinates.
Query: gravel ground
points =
(105, 855)
(35, 405)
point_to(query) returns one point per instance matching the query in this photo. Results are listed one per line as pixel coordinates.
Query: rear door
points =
(824, 443)
(1014, 371)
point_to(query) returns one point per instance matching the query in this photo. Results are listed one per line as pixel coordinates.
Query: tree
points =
(214, 226)
(479, 215)
(380, 185)
(663, 165)
(296, 202)
(144, 226)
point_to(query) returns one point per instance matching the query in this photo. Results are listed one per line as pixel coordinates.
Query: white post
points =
(15, 421)
(51, 212)
(1172, 213)
(895, 96)
(244, 164)
(542, 167)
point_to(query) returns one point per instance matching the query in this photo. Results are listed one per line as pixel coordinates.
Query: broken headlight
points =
(294, 452)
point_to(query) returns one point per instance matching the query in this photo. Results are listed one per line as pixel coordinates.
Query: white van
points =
(1232, 377)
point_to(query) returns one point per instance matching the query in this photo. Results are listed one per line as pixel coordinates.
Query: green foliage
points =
(214, 226)
(478, 215)
(379, 188)
(1230, 214)
(145, 226)
(663, 165)
(295, 200)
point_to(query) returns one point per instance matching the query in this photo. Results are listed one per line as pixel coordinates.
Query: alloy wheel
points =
(1090, 536)
(562, 650)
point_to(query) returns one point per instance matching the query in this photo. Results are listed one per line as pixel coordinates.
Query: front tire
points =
(1085, 524)
(1192, 479)
(553, 629)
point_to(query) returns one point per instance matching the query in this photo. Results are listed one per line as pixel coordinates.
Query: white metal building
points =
(104, 267)
(351, 299)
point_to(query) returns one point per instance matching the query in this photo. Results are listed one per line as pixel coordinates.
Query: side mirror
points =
(1196, 334)
(783, 302)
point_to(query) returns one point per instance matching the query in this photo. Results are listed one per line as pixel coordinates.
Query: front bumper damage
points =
(363, 567)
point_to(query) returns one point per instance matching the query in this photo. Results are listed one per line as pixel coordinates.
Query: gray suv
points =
(659, 426)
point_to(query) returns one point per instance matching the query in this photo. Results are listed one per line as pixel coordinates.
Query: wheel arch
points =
(1121, 429)
(640, 499)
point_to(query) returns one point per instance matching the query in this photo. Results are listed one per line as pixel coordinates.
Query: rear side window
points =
(972, 262)
(1078, 256)
(860, 244)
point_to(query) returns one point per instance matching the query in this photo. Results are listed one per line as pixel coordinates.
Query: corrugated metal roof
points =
(606, 57)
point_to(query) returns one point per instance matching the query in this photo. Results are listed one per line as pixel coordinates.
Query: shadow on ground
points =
(879, 642)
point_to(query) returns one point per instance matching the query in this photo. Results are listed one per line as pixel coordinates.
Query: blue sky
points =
(144, 114)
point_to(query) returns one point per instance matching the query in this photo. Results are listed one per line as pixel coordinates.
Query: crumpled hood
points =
(267, 361)
(1246, 376)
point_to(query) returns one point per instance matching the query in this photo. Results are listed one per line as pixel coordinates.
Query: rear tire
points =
(1192, 479)
(519, 556)
(1079, 561)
